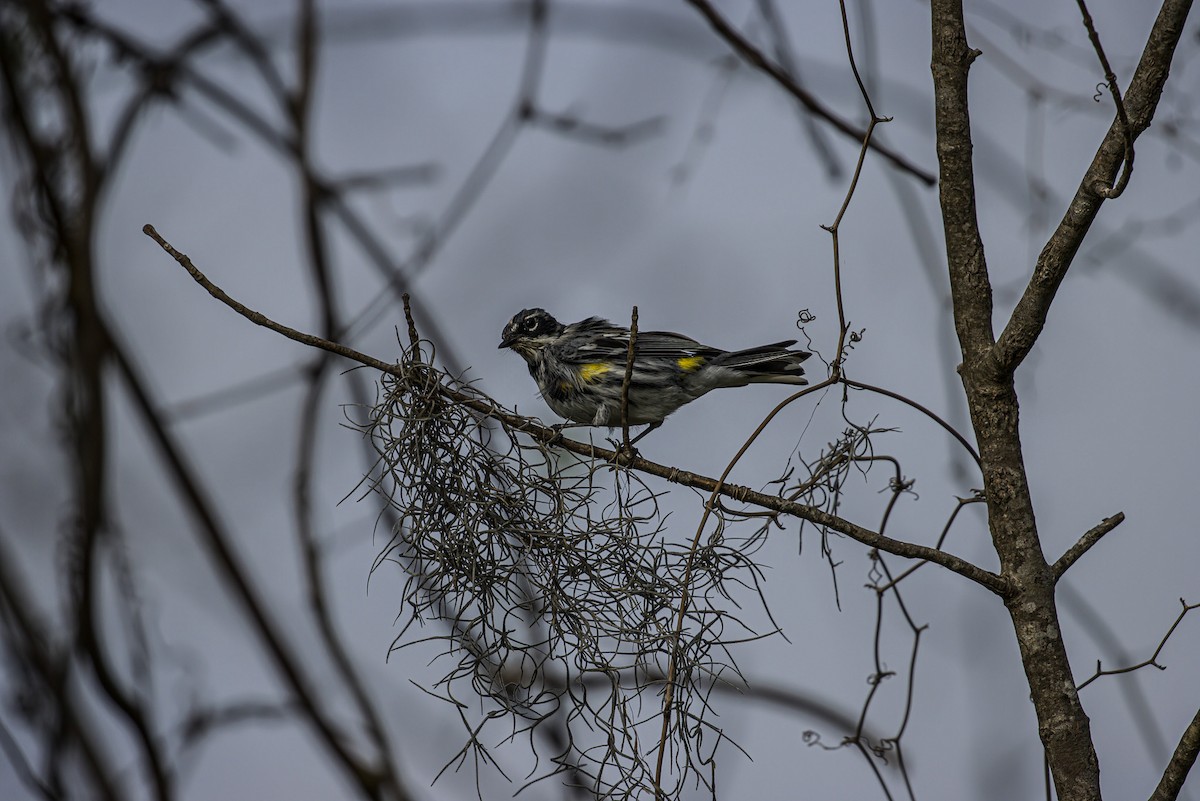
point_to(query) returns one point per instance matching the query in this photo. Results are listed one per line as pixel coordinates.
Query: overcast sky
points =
(709, 221)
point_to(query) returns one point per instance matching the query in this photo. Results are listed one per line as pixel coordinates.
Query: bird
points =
(580, 368)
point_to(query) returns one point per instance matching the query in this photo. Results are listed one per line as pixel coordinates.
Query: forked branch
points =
(1141, 100)
(1152, 660)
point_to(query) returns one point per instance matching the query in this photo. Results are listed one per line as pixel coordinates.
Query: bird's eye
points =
(531, 324)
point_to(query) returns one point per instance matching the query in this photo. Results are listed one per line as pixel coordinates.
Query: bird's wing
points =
(608, 342)
(671, 345)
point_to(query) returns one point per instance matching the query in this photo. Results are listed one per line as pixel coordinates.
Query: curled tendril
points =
(904, 485)
(879, 678)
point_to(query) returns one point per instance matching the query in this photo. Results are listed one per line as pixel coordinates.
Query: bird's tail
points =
(768, 364)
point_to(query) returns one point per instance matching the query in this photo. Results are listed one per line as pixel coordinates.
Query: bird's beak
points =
(506, 342)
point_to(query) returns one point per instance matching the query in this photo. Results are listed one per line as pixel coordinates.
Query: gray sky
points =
(728, 254)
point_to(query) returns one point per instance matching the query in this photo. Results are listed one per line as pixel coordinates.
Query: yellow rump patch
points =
(590, 372)
(689, 363)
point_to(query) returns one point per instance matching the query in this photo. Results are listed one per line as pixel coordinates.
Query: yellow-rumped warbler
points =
(580, 367)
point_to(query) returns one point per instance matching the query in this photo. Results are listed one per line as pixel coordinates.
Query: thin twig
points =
(633, 323)
(1142, 96)
(923, 410)
(941, 539)
(413, 339)
(759, 60)
(1114, 191)
(1153, 660)
(782, 47)
(756, 58)
(843, 326)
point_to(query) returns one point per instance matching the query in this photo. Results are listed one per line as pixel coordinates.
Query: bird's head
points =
(530, 331)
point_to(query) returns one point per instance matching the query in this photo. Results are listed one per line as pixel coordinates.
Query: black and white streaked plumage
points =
(580, 367)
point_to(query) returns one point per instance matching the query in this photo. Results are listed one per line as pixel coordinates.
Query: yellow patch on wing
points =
(689, 363)
(590, 372)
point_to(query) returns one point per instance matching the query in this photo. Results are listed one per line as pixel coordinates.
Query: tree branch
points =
(1063, 724)
(1090, 538)
(1110, 78)
(1152, 660)
(486, 406)
(922, 409)
(1181, 763)
(217, 540)
(970, 286)
(49, 661)
(757, 59)
(1029, 317)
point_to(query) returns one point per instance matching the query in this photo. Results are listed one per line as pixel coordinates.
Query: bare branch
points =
(1181, 763)
(1063, 725)
(940, 541)
(217, 541)
(49, 658)
(629, 352)
(540, 433)
(756, 58)
(572, 127)
(1090, 538)
(1153, 659)
(970, 286)
(20, 765)
(1141, 100)
(922, 409)
(1114, 191)
(256, 317)
(782, 47)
